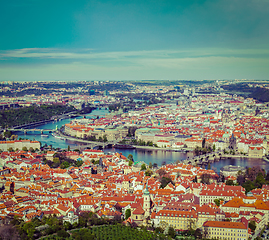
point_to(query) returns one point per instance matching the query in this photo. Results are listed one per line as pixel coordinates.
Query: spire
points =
(146, 192)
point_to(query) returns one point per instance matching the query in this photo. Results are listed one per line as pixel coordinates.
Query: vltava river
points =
(153, 156)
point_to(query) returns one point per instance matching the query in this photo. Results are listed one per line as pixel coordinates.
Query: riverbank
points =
(141, 153)
(159, 148)
(65, 137)
(242, 156)
(235, 155)
(61, 135)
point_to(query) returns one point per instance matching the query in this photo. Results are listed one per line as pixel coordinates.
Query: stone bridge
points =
(203, 159)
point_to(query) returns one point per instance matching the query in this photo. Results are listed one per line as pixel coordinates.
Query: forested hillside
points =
(26, 115)
(261, 94)
(258, 93)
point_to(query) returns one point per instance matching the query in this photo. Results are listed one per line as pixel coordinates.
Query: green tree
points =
(205, 178)
(56, 162)
(203, 143)
(171, 232)
(16, 220)
(143, 167)
(197, 150)
(63, 234)
(198, 233)
(29, 229)
(217, 202)
(229, 182)
(252, 225)
(259, 181)
(248, 185)
(165, 181)
(148, 172)
(85, 234)
(241, 179)
(214, 147)
(7, 134)
(79, 163)
(208, 166)
(67, 226)
(68, 148)
(130, 157)
(127, 213)
(150, 165)
(130, 163)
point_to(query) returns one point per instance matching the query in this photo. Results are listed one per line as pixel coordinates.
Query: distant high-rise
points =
(106, 93)
(186, 92)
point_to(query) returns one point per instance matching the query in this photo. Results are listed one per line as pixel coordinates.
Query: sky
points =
(134, 40)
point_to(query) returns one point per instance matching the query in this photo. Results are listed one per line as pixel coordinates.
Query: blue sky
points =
(125, 40)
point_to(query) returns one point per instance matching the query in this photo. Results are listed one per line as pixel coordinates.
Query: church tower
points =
(146, 202)
(232, 144)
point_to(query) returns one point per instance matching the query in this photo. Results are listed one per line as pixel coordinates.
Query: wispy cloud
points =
(53, 53)
(187, 68)
(88, 64)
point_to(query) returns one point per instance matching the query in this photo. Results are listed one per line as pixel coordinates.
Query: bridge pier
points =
(25, 132)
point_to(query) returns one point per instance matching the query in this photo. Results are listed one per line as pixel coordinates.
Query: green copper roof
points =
(146, 192)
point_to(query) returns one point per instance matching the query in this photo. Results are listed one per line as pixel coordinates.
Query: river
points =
(153, 156)
(56, 142)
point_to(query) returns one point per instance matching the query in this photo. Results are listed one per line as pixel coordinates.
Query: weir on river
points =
(36, 130)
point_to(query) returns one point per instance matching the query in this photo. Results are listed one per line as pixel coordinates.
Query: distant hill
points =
(24, 115)
(258, 93)
(261, 94)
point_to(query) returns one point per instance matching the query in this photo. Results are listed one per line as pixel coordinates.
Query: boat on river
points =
(44, 135)
(123, 146)
(56, 136)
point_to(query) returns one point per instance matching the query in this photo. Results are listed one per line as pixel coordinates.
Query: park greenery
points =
(62, 161)
(252, 178)
(203, 150)
(143, 143)
(218, 201)
(89, 226)
(138, 142)
(249, 179)
(164, 178)
(26, 115)
(93, 138)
